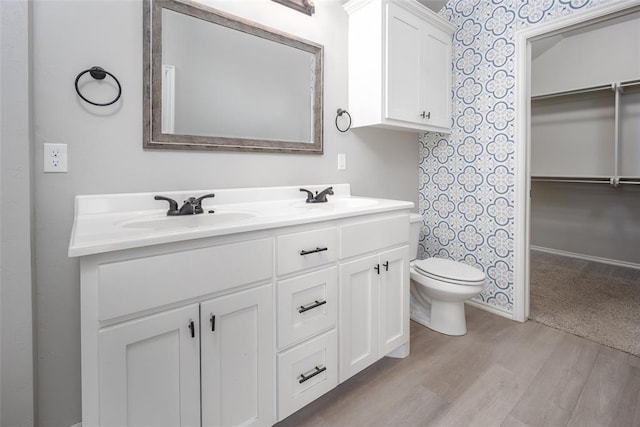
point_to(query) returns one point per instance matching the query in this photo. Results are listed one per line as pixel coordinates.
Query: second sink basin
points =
(188, 221)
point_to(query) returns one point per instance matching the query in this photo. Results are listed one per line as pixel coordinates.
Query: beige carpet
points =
(600, 302)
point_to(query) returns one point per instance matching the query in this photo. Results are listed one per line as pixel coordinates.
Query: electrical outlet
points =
(342, 162)
(55, 157)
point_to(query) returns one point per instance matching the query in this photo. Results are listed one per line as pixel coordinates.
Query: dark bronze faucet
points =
(320, 197)
(191, 206)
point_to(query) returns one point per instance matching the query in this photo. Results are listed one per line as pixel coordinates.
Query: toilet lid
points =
(449, 270)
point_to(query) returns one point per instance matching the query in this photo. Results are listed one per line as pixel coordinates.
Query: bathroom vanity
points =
(240, 316)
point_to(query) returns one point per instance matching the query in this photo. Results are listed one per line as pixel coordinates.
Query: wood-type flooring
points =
(501, 373)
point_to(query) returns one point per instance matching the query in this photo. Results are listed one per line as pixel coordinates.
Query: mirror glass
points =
(218, 82)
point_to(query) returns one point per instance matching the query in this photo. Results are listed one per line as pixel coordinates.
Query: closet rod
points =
(600, 88)
(576, 180)
(584, 180)
(630, 83)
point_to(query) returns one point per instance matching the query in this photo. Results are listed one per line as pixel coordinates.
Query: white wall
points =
(589, 219)
(583, 58)
(106, 155)
(16, 296)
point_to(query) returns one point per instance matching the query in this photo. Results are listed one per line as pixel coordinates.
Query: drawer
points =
(306, 372)
(308, 249)
(135, 285)
(307, 304)
(369, 236)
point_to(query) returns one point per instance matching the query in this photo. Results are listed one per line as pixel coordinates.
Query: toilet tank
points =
(415, 225)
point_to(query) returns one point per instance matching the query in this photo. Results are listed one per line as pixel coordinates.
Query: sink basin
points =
(344, 203)
(187, 221)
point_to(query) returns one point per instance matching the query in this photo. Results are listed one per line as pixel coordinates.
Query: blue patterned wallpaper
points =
(467, 178)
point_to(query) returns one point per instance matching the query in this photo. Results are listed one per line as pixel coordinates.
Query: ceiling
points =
(435, 5)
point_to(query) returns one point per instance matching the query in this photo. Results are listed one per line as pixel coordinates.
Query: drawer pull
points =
(192, 327)
(386, 266)
(316, 303)
(317, 370)
(212, 319)
(313, 251)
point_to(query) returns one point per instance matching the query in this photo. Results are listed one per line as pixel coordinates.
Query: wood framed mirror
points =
(213, 81)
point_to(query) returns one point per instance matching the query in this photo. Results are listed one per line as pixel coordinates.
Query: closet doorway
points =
(582, 216)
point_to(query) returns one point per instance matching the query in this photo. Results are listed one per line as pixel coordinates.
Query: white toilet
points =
(439, 288)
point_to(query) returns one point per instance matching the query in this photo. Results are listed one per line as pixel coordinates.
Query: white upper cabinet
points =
(399, 66)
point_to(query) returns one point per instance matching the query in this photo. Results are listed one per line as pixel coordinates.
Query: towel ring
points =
(98, 73)
(339, 114)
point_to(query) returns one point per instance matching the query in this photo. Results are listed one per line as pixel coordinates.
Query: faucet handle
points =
(310, 195)
(322, 196)
(173, 205)
(197, 207)
(206, 196)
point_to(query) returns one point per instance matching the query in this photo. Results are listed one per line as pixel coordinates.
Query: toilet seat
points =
(455, 273)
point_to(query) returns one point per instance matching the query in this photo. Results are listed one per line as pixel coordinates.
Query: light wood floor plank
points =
(555, 390)
(486, 402)
(602, 393)
(628, 411)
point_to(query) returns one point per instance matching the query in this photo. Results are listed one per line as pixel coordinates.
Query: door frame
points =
(522, 134)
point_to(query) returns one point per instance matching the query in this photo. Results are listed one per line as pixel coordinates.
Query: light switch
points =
(342, 162)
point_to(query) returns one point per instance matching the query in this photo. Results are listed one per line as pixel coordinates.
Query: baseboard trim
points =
(490, 308)
(586, 257)
(77, 425)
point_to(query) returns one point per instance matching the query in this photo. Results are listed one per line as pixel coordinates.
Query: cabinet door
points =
(238, 359)
(402, 94)
(394, 299)
(435, 73)
(150, 371)
(358, 323)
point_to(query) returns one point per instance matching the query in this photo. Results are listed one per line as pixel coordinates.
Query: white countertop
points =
(110, 222)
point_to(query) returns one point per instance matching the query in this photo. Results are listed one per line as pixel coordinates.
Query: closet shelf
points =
(599, 88)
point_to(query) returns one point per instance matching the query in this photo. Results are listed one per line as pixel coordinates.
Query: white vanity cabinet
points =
(399, 65)
(194, 357)
(374, 293)
(237, 328)
(155, 370)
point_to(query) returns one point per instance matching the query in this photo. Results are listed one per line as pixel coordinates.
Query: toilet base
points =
(441, 316)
